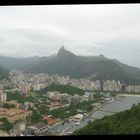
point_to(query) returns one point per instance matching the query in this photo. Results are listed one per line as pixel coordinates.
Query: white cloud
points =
(84, 29)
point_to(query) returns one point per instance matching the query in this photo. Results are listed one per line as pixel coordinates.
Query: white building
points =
(3, 97)
(78, 117)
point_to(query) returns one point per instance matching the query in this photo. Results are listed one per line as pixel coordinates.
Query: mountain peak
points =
(65, 56)
(101, 55)
(62, 50)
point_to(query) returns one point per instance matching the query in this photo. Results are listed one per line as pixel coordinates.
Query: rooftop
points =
(78, 116)
(49, 119)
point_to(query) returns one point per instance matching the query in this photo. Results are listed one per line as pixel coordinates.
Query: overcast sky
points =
(112, 30)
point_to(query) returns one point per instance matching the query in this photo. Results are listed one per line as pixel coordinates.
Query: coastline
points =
(131, 95)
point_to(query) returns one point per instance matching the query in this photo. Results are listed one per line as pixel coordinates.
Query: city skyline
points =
(88, 30)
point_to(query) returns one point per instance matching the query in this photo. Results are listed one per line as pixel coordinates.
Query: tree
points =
(7, 125)
(5, 105)
(89, 122)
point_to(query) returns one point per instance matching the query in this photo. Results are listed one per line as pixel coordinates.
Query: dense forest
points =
(64, 89)
(126, 122)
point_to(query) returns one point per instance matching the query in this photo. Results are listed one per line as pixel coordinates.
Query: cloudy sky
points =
(112, 30)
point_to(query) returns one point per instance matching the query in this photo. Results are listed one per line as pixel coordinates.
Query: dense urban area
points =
(35, 104)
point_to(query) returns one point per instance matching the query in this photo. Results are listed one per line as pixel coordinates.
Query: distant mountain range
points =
(3, 73)
(67, 63)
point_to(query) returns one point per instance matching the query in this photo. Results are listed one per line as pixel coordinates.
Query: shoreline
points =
(132, 95)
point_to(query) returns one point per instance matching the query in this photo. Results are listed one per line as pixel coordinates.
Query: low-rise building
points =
(50, 120)
(76, 99)
(78, 117)
(3, 97)
(28, 105)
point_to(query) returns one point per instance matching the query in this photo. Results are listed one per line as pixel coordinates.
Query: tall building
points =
(101, 83)
(75, 99)
(3, 97)
(123, 87)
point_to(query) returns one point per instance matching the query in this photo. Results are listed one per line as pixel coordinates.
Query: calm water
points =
(121, 103)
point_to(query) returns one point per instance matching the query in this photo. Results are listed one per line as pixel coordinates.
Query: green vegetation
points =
(126, 122)
(86, 106)
(62, 113)
(97, 96)
(66, 112)
(65, 89)
(6, 126)
(34, 118)
(18, 97)
(66, 63)
(6, 105)
(113, 94)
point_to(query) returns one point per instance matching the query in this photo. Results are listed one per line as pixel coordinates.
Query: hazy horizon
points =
(112, 30)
